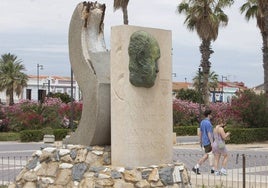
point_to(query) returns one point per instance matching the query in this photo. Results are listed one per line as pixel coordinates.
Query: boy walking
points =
(206, 139)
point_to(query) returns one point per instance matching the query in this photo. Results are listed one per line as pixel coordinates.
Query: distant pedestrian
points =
(219, 149)
(206, 139)
(65, 122)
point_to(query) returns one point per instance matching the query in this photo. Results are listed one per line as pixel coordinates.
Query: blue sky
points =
(36, 31)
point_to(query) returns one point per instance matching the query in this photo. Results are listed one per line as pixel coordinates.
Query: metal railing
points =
(243, 171)
(10, 167)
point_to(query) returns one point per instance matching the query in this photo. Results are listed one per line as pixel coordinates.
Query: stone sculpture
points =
(140, 154)
(90, 64)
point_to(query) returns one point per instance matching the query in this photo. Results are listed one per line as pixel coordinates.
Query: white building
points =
(42, 85)
(223, 93)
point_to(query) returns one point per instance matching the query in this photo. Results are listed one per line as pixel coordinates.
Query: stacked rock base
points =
(77, 166)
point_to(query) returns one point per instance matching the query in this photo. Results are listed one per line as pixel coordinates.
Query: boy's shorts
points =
(208, 148)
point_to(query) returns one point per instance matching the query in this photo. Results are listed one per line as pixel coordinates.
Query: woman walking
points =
(219, 149)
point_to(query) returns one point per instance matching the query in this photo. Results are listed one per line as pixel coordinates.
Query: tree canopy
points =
(205, 17)
(12, 78)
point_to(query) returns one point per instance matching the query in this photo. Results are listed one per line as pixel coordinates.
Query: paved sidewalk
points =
(188, 151)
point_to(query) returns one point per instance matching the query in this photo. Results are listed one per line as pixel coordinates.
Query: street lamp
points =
(199, 92)
(72, 101)
(225, 77)
(41, 68)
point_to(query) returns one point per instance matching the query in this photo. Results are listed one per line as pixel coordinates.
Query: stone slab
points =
(141, 118)
(49, 138)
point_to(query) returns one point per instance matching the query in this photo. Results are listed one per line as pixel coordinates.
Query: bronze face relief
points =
(144, 52)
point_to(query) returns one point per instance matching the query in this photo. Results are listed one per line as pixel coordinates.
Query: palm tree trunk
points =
(11, 97)
(205, 64)
(263, 4)
(265, 64)
(265, 54)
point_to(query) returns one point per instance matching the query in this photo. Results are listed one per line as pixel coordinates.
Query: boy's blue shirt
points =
(205, 128)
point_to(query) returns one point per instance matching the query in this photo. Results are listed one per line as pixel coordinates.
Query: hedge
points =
(31, 136)
(38, 135)
(238, 135)
(185, 130)
(9, 136)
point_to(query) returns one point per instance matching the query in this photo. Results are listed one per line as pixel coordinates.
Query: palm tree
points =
(205, 16)
(212, 80)
(122, 4)
(12, 79)
(259, 9)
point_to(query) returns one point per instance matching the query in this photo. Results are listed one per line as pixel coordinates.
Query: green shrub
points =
(47, 130)
(38, 135)
(31, 135)
(247, 135)
(9, 136)
(185, 130)
(60, 133)
(238, 135)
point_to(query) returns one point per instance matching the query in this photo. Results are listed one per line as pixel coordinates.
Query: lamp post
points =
(41, 68)
(199, 92)
(72, 102)
(225, 77)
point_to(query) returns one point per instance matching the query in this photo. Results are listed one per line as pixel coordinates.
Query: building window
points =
(29, 94)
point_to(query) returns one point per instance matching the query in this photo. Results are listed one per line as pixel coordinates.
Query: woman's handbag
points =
(221, 144)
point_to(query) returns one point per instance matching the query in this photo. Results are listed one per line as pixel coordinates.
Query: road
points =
(14, 156)
(20, 149)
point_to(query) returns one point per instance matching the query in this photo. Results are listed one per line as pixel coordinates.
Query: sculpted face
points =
(143, 53)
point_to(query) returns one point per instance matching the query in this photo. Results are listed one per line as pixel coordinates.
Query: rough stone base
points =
(77, 166)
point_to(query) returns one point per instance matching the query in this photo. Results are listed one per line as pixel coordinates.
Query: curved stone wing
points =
(89, 60)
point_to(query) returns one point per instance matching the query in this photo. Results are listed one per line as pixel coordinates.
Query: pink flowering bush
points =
(223, 113)
(250, 109)
(65, 113)
(247, 109)
(3, 121)
(187, 113)
(33, 115)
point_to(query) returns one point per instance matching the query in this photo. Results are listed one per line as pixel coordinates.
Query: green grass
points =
(9, 136)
